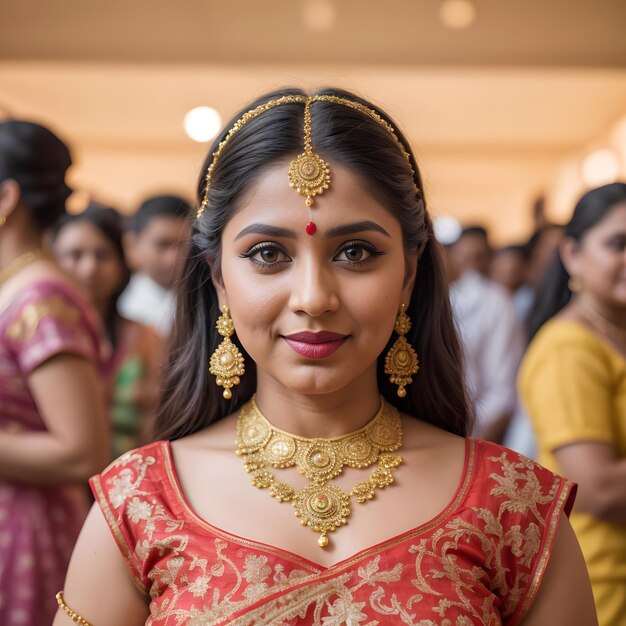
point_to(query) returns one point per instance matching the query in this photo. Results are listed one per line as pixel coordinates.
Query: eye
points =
(267, 255)
(357, 253)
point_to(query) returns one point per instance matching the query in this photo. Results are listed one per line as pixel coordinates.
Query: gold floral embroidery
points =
(24, 328)
(475, 568)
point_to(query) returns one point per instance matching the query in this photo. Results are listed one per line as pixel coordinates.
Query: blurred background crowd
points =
(517, 111)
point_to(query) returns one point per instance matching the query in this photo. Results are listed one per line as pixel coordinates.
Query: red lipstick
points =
(315, 345)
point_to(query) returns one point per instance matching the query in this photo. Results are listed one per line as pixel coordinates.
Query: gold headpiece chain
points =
(306, 167)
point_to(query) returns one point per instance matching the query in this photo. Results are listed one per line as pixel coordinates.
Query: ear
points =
(10, 194)
(568, 251)
(410, 274)
(218, 283)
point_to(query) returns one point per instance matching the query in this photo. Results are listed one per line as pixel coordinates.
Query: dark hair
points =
(37, 160)
(342, 135)
(535, 239)
(159, 206)
(513, 248)
(108, 222)
(476, 230)
(554, 292)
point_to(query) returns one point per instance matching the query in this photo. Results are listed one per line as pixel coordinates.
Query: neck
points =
(591, 307)
(13, 245)
(319, 415)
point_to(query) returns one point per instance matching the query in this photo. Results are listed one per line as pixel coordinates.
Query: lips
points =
(315, 345)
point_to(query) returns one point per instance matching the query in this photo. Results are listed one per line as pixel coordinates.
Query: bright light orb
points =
(600, 167)
(202, 124)
(457, 14)
(447, 229)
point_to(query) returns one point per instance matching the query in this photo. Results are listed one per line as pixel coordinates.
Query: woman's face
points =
(83, 251)
(313, 312)
(599, 260)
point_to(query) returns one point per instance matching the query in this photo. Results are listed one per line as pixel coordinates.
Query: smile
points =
(315, 345)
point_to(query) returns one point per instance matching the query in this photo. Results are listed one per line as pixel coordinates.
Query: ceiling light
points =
(600, 167)
(447, 229)
(319, 15)
(457, 14)
(202, 124)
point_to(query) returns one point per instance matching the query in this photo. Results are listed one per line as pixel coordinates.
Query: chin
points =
(315, 385)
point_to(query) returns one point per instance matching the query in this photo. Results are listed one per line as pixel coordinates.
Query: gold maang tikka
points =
(226, 362)
(321, 505)
(308, 173)
(401, 362)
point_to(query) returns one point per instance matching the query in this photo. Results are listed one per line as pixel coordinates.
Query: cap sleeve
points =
(130, 496)
(566, 388)
(51, 319)
(522, 507)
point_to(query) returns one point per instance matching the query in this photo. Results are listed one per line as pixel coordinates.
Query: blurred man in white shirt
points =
(154, 243)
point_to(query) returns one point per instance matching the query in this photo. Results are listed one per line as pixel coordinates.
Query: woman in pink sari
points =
(314, 295)
(52, 426)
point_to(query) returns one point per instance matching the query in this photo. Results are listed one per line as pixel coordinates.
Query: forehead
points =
(165, 226)
(615, 219)
(81, 233)
(270, 199)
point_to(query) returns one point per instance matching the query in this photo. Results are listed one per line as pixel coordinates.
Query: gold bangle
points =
(73, 615)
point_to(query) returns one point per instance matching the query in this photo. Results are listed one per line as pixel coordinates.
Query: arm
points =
(564, 597)
(601, 478)
(76, 445)
(98, 585)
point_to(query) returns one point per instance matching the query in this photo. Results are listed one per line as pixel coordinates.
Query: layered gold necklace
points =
(321, 505)
(20, 262)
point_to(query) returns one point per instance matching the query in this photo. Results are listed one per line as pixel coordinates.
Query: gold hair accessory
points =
(321, 506)
(226, 362)
(73, 615)
(308, 172)
(21, 262)
(574, 284)
(401, 362)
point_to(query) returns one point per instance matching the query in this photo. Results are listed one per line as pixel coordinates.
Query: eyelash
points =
(368, 247)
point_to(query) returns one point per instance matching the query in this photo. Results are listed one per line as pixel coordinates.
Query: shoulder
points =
(138, 470)
(565, 341)
(517, 485)
(559, 331)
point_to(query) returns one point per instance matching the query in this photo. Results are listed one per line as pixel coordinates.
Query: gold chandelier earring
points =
(574, 284)
(401, 362)
(226, 362)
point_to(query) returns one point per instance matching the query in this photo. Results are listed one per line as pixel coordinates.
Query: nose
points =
(314, 288)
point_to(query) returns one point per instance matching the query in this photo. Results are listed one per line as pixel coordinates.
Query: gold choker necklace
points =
(20, 262)
(321, 506)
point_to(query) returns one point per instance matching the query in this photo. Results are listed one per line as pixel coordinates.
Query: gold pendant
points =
(309, 175)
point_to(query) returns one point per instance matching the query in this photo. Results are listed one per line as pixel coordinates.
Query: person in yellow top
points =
(573, 385)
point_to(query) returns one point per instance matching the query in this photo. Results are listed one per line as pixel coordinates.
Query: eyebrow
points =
(337, 231)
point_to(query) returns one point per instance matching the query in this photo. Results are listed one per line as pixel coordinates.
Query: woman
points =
(52, 424)
(573, 383)
(89, 247)
(313, 242)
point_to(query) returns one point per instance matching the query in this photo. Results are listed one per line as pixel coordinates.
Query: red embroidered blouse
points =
(479, 562)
